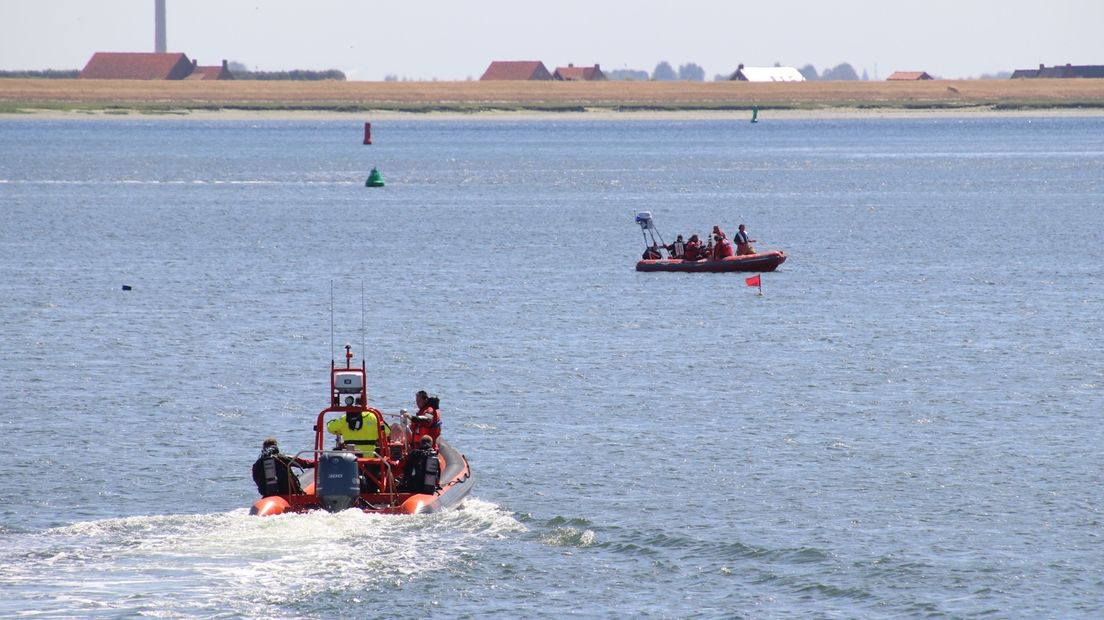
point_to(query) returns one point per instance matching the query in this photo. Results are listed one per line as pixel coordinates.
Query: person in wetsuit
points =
(678, 248)
(272, 471)
(422, 472)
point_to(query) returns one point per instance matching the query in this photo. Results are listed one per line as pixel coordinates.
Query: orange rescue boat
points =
(760, 261)
(371, 481)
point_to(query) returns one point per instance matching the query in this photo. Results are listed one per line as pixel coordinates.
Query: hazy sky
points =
(456, 40)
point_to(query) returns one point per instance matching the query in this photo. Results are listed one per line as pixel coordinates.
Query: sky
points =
(434, 40)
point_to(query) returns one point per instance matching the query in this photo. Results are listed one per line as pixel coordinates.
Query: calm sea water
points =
(907, 423)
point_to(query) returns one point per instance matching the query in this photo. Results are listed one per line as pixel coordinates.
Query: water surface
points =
(906, 423)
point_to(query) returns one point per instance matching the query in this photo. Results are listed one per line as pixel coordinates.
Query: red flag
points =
(755, 281)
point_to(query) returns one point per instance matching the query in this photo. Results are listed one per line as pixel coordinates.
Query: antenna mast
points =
(331, 324)
(363, 347)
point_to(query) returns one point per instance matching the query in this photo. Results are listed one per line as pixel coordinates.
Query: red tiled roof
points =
(516, 70)
(909, 75)
(211, 73)
(573, 73)
(136, 66)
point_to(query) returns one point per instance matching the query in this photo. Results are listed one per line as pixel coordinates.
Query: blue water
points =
(907, 423)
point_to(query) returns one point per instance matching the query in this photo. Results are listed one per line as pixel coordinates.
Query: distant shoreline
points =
(522, 115)
(40, 98)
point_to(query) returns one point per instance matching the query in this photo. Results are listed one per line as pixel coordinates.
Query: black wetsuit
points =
(278, 479)
(422, 471)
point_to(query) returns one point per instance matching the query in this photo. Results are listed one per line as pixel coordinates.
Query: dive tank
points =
(432, 473)
(338, 480)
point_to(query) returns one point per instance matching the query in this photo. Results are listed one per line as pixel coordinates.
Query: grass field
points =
(29, 95)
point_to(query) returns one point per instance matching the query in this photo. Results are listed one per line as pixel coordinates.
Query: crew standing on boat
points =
(743, 244)
(272, 471)
(360, 428)
(427, 422)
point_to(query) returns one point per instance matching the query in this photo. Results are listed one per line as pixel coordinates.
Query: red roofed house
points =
(149, 66)
(136, 66)
(210, 73)
(571, 73)
(908, 76)
(516, 70)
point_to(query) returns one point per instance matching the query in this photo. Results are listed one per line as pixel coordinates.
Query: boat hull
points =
(763, 261)
(456, 482)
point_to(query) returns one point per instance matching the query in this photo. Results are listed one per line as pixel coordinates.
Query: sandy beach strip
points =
(329, 100)
(521, 115)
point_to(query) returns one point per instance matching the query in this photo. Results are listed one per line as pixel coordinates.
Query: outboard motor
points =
(338, 480)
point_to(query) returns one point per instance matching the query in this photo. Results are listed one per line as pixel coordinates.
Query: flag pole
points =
(756, 280)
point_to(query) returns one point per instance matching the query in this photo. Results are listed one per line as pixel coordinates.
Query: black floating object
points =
(126, 287)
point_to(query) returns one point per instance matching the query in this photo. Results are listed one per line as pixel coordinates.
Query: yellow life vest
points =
(364, 437)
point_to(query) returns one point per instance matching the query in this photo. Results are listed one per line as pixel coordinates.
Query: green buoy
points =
(375, 179)
(755, 114)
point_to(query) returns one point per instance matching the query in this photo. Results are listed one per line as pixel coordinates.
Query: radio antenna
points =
(331, 324)
(363, 347)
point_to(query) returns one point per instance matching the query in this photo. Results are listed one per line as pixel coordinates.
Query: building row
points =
(1060, 71)
(150, 66)
(1057, 71)
(535, 70)
(177, 66)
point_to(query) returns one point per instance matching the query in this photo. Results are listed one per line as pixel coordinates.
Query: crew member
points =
(717, 231)
(693, 248)
(428, 419)
(272, 471)
(743, 244)
(422, 473)
(721, 248)
(360, 428)
(651, 253)
(678, 248)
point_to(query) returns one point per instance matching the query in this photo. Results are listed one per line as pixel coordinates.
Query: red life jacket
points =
(431, 427)
(722, 250)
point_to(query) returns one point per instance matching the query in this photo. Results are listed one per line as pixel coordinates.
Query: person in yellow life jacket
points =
(360, 428)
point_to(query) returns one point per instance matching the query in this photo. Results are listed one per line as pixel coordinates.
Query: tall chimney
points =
(159, 26)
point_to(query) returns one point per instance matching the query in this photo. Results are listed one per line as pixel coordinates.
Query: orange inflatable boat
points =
(763, 261)
(366, 477)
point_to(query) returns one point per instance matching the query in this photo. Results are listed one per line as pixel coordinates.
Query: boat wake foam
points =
(233, 561)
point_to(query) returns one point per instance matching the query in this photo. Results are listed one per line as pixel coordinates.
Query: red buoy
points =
(367, 133)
